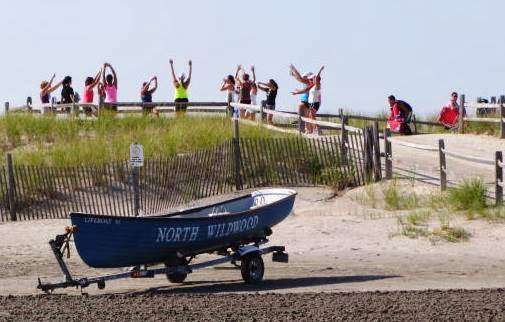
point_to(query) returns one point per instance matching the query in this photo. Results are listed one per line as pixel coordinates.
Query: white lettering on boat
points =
(177, 234)
(93, 220)
(234, 227)
(188, 234)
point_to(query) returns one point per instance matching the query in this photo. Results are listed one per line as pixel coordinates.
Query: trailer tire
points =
(252, 268)
(178, 278)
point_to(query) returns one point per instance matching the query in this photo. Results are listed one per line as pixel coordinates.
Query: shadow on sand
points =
(266, 285)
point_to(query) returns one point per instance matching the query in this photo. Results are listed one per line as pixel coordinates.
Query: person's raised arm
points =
(155, 80)
(113, 74)
(254, 74)
(264, 87)
(54, 87)
(51, 80)
(104, 69)
(320, 71)
(97, 79)
(173, 71)
(296, 74)
(237, 78)
(190, 63)
(224, 86)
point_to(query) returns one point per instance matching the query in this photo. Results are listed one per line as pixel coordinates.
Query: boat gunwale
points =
(171, 216)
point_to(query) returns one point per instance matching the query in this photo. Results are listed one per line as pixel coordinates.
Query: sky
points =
(418, 50)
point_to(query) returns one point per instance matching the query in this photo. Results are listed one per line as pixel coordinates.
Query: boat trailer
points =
(250, 258)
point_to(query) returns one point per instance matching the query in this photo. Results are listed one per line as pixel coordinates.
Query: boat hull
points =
(109, 241)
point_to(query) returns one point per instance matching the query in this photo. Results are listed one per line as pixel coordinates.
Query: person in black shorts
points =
(271, 89)
(67, 92)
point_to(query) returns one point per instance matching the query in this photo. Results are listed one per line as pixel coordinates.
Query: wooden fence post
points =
(461, 123)
(236, 154)
(388, 154)
(136, 190)
(376, 152)
(443, 165)
(502, 117)
(368, 153)
(11, 188)
(6, 107)
(344, 138)
(262, 115)
(499, 177)
(29, 103)
(414, 123)
(100, 104)
(53, 102)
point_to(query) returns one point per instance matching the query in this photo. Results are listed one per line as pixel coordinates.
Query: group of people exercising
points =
(239, 88)
(106, 83)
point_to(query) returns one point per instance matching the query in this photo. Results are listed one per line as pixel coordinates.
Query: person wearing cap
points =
(181, 85)
(303, 106)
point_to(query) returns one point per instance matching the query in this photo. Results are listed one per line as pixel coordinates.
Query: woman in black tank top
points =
(244, 84)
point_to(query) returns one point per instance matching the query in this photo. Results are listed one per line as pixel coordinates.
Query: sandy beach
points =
(335, 244)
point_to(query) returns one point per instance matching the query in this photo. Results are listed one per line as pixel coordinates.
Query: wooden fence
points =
(34, 192)
(443, 153)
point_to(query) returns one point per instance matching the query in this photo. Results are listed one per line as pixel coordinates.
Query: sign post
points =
(136, 161)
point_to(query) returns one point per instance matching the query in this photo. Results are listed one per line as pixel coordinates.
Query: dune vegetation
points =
(35, 140)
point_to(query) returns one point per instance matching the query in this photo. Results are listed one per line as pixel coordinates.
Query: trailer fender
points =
(246, 250)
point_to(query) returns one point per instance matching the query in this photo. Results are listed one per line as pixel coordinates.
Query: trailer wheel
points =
(177, 278)
(100, 284)
(252, 268)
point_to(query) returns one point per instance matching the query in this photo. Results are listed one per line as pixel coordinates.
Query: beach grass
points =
(46, 140)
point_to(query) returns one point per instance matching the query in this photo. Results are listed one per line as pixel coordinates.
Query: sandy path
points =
(334, 245)
(427, 162)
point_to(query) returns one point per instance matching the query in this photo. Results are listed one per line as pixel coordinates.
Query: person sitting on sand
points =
(181, 85)
(270, 88)
(89, 84)
(245, 84)
(146, 95)
(314, 99)
(46, 88)
(303, 106)
(110, 85)
(449, 113)
(401, 114)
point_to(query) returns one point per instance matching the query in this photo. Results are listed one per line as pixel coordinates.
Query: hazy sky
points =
(419, 50)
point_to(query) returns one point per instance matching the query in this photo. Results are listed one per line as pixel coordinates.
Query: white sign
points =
(136, 155)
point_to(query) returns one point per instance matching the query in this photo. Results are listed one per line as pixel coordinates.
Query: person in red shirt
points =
(401, 114)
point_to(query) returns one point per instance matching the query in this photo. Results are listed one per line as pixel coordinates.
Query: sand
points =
(335, 244)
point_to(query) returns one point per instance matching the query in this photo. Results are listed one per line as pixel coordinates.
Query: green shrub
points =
(469, 195)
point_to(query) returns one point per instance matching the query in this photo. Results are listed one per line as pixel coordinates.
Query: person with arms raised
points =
(146, 95)
(110, 86)
(181, 85)
(46, 88)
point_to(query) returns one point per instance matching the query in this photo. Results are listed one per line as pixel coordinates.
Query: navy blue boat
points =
(110, 241)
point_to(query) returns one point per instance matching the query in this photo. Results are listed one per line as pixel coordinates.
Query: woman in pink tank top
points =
(110, 85)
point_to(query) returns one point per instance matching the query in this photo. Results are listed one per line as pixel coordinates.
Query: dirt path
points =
(427, 162)
(334, 245)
